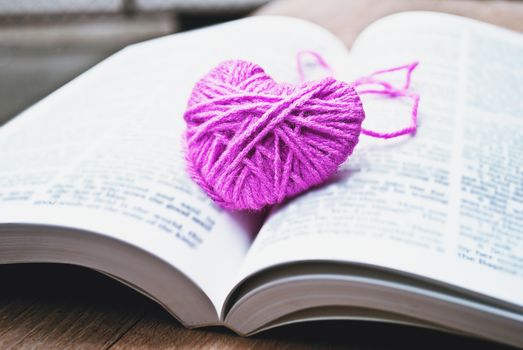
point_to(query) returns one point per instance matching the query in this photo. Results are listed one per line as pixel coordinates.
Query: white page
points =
(103, 153)
(423, 204)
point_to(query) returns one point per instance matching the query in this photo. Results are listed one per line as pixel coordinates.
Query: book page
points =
(104, 153)
(447, 203)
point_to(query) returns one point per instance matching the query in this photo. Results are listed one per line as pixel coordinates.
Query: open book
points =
(424, 230)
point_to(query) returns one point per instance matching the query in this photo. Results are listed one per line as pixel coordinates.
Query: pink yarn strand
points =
(321, 61)
(387, 89)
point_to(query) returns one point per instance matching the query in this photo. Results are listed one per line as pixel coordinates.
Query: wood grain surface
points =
(51, 306)
(67, 307)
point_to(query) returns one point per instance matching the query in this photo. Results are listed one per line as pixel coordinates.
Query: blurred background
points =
(46, 43)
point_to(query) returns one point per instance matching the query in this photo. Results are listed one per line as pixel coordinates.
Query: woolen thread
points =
(252, 142)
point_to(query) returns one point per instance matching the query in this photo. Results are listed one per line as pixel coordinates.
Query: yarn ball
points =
(252, 142)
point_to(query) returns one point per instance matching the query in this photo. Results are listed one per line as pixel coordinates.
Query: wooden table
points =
(59, 306)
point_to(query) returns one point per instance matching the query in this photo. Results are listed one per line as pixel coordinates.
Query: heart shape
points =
(252, 142)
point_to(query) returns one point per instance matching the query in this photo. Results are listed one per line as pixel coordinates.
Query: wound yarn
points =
(252, 142)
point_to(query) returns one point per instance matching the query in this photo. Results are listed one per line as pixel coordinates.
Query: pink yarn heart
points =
(252, 142)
